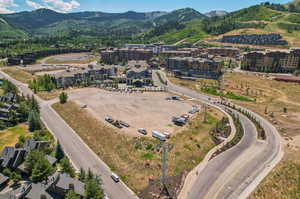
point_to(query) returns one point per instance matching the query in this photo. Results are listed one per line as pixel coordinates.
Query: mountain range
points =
(45, 22)
(171, 27)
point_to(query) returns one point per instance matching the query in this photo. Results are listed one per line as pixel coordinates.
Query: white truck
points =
(159, 135)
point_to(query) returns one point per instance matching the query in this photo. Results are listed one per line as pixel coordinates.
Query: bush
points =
(63, 98)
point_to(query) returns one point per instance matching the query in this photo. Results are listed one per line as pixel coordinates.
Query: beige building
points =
(224, 51)
(116, 56)
(195, 67)
(278, 61)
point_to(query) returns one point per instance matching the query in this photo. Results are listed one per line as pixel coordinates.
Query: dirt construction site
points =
(150, 111)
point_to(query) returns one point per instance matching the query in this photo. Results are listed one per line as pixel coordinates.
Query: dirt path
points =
(179, 42)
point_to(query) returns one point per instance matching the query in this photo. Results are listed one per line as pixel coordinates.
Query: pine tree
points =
(63, 98)
(59, 153)
(82, 175)
(71, 195)
(34, 122)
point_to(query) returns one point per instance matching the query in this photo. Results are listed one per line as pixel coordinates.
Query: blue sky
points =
(125, 5)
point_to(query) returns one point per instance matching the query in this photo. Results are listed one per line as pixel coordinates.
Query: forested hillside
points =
(100, 29)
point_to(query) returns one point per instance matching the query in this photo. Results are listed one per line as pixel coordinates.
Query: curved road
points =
(78, 152)
(232, 174)
(236, 172)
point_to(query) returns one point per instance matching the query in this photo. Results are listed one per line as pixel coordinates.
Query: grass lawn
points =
(282, 182)
(45, 95)
(18, 74)
(135, 159)
(9, 137)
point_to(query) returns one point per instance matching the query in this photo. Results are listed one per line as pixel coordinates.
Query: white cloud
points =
(62, 5)
(6, 5)
(34, 5)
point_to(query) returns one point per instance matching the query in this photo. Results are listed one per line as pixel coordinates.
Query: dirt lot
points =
(136, 159)
(150, 111)
(72, 58)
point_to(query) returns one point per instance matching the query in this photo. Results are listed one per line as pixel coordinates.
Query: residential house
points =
(3, 180)
(13, 157)
(56, 186)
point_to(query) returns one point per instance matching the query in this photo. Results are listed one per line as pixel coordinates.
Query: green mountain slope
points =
(45, 22)
(181, 15)
(8, 32)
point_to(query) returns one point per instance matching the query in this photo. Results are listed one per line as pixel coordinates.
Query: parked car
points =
(109, 119)
(115, 177)
(175, 98)
(117, 124)
(179, 121)
(193, 111)
(83, 106)
(142, 131)
(124, 124)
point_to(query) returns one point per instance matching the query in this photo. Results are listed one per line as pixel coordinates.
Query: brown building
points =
(284, 61)
(122, 55)
(176, 53)
(77, 76)
(224, 52)
(194, 67)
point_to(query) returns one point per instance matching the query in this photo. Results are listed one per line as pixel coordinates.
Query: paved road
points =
(80, 154)
(236, 172)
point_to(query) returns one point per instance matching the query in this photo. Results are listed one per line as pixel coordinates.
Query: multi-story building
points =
(156, 48)
(139, 74)
(116, 56)
(194, 67)
(254, 39)
(224, 52)
(176, 53)
(77, 76)
(279, 61)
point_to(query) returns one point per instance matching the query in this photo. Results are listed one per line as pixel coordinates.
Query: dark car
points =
(142, 131)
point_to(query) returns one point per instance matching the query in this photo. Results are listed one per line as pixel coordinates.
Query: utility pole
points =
(164, 189)
(204, 107)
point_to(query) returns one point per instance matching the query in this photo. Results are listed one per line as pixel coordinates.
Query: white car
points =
(115, 177)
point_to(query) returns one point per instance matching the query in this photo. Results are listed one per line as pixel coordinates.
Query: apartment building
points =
(224, 51)
(273, 61)
(115, 56)
(77, 76)
(194, 67)
(156, 48)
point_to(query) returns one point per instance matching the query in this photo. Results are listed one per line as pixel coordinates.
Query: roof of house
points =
(65, 181)
(3, 179)
(52, 160)
(37, 190)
